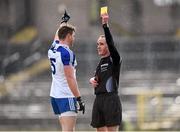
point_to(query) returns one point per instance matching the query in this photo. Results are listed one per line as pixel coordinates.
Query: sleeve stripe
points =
(65, 55)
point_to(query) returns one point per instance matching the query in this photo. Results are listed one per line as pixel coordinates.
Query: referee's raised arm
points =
(109, 39)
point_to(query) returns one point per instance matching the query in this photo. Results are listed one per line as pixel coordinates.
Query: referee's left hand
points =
(93, 82)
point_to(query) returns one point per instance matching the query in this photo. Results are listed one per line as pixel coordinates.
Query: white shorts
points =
(68, 113)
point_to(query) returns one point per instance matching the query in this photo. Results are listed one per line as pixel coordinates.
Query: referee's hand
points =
(105, 18)
(93, 82)
(81, 105)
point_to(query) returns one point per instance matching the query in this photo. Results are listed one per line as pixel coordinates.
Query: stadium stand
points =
(149, 82)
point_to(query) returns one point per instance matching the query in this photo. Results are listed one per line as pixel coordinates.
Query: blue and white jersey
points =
(60, 55)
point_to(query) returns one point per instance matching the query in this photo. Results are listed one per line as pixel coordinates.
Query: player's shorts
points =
(64, 106)
(107, 110)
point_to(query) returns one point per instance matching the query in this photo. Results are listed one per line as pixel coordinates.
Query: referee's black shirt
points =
(108, 69)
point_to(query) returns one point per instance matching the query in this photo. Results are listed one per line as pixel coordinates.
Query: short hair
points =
(65, 30)
(102, 36)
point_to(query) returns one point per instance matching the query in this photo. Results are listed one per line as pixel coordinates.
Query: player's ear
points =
(68, 35)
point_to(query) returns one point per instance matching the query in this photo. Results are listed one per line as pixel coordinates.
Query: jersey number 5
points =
(53, 61)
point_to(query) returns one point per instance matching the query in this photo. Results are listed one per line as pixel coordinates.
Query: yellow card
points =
(104, 10)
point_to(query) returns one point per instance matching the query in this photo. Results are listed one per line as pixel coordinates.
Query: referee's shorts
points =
(107, 110)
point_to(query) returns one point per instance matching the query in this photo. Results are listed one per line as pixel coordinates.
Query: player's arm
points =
(69, 72)
(71, 80)
(109, 39)
(72, 83)
(56, 35)
(64, 20)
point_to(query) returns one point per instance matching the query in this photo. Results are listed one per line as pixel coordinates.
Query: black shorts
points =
(107, 111)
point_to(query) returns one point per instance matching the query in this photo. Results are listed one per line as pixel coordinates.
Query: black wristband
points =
(78, 98)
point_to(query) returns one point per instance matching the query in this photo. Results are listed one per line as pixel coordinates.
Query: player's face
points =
(71, 38)
(102, 47)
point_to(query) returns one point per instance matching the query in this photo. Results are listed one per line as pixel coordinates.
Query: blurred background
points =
(146, 33)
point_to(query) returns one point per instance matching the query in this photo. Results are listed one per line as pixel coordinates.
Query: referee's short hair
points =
(64, 30)
(102, 36)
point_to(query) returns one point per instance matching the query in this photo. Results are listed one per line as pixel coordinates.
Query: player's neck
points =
(64, 42)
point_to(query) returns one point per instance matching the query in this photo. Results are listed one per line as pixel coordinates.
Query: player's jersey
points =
(60, 55)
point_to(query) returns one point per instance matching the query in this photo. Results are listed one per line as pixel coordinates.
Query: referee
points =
(107, 111)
